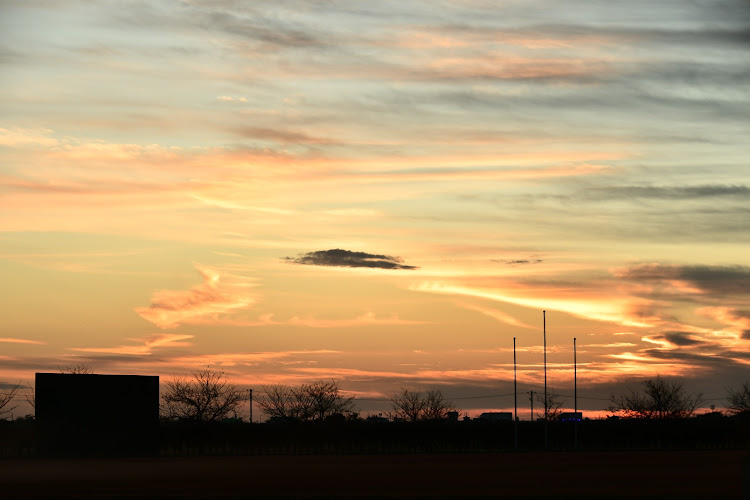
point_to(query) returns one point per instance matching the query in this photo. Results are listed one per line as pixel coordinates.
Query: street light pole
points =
(515, 398)
(544, 319)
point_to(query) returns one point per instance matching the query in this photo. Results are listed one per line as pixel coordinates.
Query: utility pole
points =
(515, 398)
(251, 406)
(531, 398)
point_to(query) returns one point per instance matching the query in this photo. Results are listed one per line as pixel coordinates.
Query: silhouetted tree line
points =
(209, 397)
(320, 418)
(309, 402)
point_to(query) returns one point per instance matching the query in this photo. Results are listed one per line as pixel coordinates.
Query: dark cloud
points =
(346, 258)
(746, 334)
(6, 385)
(671, 193)
(718, 279)
(681, 339)
(512, 262)
(720, 359)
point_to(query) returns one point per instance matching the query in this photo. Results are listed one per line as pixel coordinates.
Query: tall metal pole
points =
(575, 378)
(515, 398)
(575, 395)
(544, 319)
(546, 401)
(515, 384)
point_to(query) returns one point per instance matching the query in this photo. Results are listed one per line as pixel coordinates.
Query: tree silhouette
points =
(411, 405)
(325, 400)
(317, 401)
(30, 397)
(79, 369)
(552, 407)
(207, 397)
(657, 398)
(6, 398)
(738, 400)
(278, 401)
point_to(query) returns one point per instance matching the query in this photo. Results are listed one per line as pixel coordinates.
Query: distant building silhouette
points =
(496, 416)
(86, 414)
(571, 416)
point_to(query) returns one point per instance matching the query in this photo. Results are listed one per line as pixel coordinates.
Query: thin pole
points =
(546, 401)
(575, 378)
(531, 398)
(515, 398)
(544, 319)
(515, 383)
(251, 406)
(575, 395)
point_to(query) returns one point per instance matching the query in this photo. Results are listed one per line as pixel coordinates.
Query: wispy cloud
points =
(583, 303)
(219, 294)
(496, 314)
(247, 358)
(367, 319)
(18, 136)
(144, 346)
(22, 341)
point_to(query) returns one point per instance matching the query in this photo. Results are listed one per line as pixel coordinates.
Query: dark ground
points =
(670, 474)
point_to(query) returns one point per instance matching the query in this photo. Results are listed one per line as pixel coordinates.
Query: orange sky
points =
(382, 194)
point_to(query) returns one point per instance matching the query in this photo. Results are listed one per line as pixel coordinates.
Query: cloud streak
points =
(145, 347)
(269, 319)
(21, 341)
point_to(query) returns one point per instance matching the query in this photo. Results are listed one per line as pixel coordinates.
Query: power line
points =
(482, 397)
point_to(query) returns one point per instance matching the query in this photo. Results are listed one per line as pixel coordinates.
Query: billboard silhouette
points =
(86, 414)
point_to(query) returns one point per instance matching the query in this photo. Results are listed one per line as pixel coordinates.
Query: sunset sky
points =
(383, 193)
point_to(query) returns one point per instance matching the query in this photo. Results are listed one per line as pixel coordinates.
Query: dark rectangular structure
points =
(85, 414)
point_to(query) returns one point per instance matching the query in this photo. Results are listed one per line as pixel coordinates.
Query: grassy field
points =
(673, 474)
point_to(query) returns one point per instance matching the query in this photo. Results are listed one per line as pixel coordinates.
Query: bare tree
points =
(278, 401)
(408, 405)
(437, 406)
(325, 400)
(413, 405)
(7, 397)
(317, 401)
(79, 369)
(657, 398)
(207, 397)
(30, 397)
(738, 400)
(552, 407)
